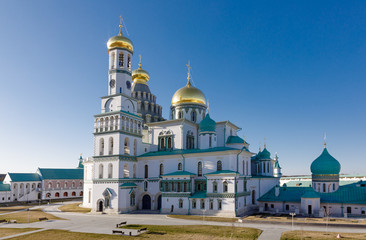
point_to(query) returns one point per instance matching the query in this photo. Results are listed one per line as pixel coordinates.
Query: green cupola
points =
(207, 124)
(325, 164)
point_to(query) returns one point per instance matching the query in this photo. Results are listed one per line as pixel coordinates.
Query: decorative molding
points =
(115, 157)
(120, 71)
(176, 194)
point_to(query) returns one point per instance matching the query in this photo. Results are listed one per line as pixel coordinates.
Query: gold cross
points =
(120, 25)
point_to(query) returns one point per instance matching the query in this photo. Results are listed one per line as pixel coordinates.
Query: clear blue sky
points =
(287, 71)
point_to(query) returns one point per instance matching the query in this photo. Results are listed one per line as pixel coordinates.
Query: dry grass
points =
(11, 209)
(303, 220)
(12, 231)
(156, 233)
(34, 215)
(74, 208)
(200, 218)
(306, 235)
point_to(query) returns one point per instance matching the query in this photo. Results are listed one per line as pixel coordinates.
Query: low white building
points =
(189, 164)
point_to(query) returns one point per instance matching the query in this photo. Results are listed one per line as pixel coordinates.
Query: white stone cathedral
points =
(189, 164)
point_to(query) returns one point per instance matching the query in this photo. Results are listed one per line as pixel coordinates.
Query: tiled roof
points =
(235, 139)
(4, 187)
(24, 177)
(62, 173)
(186, 151)
(352, 193)
(179, 173)
(222, 172)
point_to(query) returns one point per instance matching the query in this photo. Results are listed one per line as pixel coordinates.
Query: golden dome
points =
(120, 41)
(140, 75)
(188, 94)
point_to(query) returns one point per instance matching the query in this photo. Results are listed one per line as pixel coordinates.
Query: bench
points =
(2, 221)
(43, 219)
(120, 224)
(142, 229)
(117, 231)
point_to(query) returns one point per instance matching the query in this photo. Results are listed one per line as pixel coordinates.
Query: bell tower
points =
(120, 50)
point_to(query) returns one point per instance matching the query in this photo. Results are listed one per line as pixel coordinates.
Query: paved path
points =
(92, 223)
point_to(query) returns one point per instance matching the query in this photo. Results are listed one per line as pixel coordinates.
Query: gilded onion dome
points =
(120, 41)
(188, 94)
(140, 75)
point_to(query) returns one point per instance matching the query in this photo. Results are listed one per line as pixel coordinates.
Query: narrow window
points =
(169, 142)
(179, 166)
(184, 187)
(145, 186)
(166, 187)
(146, 171)
(199, 170)
(211, 204)
(214, 186)
(194, 204)
(161, 169)
(180, 203)
(202, 204)
(210, 141)
(324, 187)
(287, 207)
(132, 199)
(110, 170)
(100, 173)
(110, 146)
(193, 117)
(162, 143)
(178, 187)
(121, 60)
(225, 187)
(129, 62)
(126, 172)
(219, 165)
(101, 147)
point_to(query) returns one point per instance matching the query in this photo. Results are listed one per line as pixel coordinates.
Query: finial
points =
(265, 145)
(325, 140)
(140, 61)
(81, 156)
(260, 149)
(189, 74)
(120, 25)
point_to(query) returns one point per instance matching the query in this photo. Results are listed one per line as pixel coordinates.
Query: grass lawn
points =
(34, 215)
(12, 231)
(200, 218)
(11, 209)
(155, 233)
(306, 235)
(264, 217)
(74, 208)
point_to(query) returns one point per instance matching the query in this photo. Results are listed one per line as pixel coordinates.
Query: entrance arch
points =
(146, 202)
(100, 206)
(159, 202)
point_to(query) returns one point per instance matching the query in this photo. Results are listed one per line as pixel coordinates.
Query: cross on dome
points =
(189, 74)
(120, 25)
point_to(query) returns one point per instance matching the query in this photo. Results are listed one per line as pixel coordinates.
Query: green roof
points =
(223, 172)
(24, 177)
(128, 185)
(235, 139)
(351, 193)
(62, 173)
(325, 164)
(186, 151)
(198, 195)
(277, 165)
(207, 124)
(4, 187)
(179, 173)
(310, 193)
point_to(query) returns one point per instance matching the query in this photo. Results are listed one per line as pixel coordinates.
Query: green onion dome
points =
(207, 124)
(325, 164)
(265, 154)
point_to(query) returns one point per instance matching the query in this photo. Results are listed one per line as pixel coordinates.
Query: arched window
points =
(162, 143)
(190, 140)
(193, 116)
(49, 185)
(185, 187)
(199, 169)
(349, 210)
(210, 141)
(81, 193)
(110, 170)
(324, 187)
(101, 146)
(194, 203)
(334, 187)
(121, 60)
(264, 167)
(180, 203)
(219, 165)
(166, 187)
(101, 171)
(65, 185)
(214, 186)
(145, 186)
(245, 185)
(180, 115)
(57, 185)
(146, 171)
(161, 169)
(202, 204)
(57, 194)
(268, 167)
(253, 197)
(132, 199)
(225, 187)
(179, 187)
(73, 184)
(134, 171)
(127, 146)
(110, 146)
(169, 142)
(180, 167)
(113, 56)
(126, 172)
(73, 194)
(65, 194)
(129, 62)
(219, 201)
(247, 173)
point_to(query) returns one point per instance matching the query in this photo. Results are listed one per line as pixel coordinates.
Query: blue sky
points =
(287, 71)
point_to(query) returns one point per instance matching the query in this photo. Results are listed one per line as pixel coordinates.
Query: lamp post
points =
(292, 217)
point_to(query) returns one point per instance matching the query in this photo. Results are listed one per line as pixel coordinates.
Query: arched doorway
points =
(159, 202)
(146, 202)
(100, 206)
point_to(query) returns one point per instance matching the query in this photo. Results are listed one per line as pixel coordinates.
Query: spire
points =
(140, 62)
(120, 26)
(189, 74)
(325, 140)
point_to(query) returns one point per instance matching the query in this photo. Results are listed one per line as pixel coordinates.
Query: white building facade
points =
(189, 164)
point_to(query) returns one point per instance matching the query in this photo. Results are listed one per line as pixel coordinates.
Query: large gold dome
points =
(140, 75)
(188, 94)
